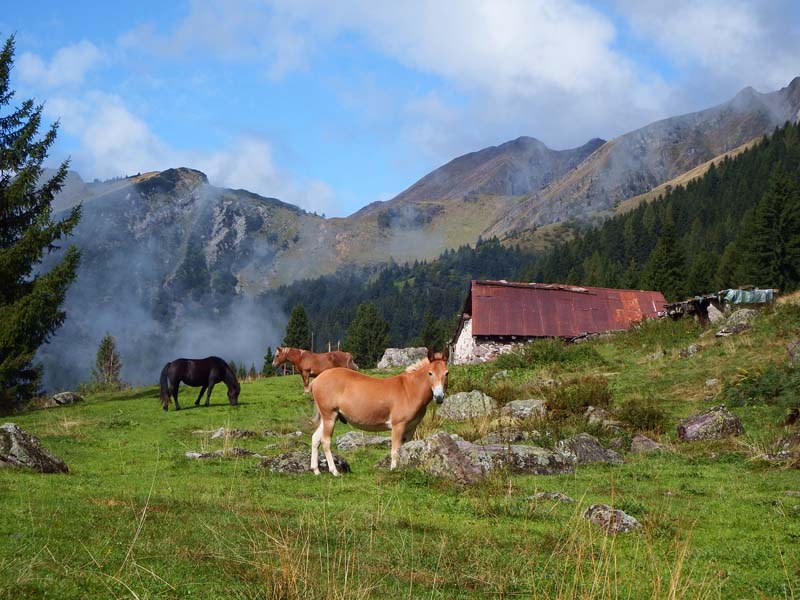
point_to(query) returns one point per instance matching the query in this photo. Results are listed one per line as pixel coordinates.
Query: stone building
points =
(498, 315)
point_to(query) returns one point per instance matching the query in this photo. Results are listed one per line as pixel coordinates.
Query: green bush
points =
(659, 333)
(644, 414)
(548, 352)
(572, 397)
(772, 384)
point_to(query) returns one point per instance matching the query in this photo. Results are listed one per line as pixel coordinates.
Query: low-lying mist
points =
(159, 272)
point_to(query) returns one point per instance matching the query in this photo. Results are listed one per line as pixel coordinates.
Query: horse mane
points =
(417, 365)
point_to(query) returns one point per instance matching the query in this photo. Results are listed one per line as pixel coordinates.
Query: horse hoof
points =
(165, 409)
(316, 471)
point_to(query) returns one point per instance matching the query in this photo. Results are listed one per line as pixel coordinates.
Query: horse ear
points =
(446, 353)
(431, 355)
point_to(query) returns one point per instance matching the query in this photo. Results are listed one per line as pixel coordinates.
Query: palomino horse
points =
(397, 403)
(312, 364)
(205, 372)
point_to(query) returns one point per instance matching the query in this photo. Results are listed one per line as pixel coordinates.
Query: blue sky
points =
(334, 105)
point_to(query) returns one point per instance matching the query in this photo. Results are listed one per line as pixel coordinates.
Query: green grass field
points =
(135, 519)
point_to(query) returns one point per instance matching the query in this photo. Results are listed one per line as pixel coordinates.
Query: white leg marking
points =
(315, 438)
(326, 445)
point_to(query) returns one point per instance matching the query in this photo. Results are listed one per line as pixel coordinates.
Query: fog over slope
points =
(173, 266)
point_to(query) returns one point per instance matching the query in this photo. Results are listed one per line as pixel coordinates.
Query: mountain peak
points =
(179, 179)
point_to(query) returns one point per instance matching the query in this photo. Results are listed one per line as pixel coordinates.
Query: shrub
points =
(659, 333)
(772, 384)
(548, 352)
(644, 414)
(573, 396)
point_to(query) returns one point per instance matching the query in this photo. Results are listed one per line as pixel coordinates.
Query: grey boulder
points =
(585, 449)
(612, 520)
(467, 405)
(358, 439)
(525, 409)
(299, 461)
(641, 444)
(401, 357)
(20, 449)
(713, 424)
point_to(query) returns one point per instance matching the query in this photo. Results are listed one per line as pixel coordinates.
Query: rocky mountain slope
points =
(642, 159)
(168, 249)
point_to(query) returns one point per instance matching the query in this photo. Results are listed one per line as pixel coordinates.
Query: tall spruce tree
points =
(368, 335)
(30, 301)
(298, 332)
(108, 365)
(665, 270)
(267, 370)
(771, 246)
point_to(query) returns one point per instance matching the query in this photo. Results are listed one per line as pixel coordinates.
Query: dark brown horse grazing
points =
(396, 403)
(312, 364)
(204, 372)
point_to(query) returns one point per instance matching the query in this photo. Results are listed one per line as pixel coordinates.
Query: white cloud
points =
(547, 68)
(723, 43)
(68, 66)
(115, 142)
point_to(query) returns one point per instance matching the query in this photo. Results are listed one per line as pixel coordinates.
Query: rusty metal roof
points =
(503, 308)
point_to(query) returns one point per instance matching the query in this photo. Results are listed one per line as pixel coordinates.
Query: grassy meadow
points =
(134, 518)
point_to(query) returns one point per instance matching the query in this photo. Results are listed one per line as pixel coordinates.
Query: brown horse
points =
(312, 364)
(397, 403)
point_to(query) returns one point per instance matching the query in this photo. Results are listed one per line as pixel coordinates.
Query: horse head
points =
(280, 356)
(437, 373)
(233, 393)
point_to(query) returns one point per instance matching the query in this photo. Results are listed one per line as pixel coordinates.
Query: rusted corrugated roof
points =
(502, 308)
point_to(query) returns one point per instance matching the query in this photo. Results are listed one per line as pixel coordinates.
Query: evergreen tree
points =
(665, 268)
(771, 248)
(252, 373)
(432, 334)
(267, 370)
(241, 373)
(108, 365)
(30, 301)
(368, 335)
(298, 332)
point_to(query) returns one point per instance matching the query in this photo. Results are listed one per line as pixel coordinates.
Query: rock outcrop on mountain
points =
(160, 249)
(516, 168)
(640, 160)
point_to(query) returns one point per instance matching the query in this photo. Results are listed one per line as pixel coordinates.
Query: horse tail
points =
(164, 383)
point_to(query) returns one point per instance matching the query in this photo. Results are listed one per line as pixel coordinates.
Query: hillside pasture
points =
(135, 518)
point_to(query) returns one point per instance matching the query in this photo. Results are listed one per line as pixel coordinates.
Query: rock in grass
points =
(551, 496)
(641, 443)
(467, 405)
(526, 409)
(611, 520)
(401, 357)
(585, 449)
(438, 455)
(232, 433)
(20, 449)
(518, 459)
(299, 461)
(507, 435)
(236, 452)
(358, 439)
(714, 424)
(464, 462)
(597, 415)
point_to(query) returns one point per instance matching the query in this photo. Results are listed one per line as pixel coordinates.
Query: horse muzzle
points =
(438, 394)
